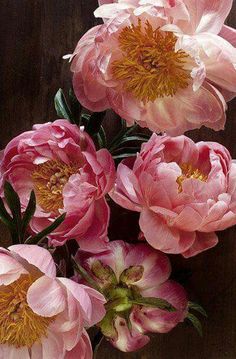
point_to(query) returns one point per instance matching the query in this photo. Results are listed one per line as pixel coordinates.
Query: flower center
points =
(150, 67)
(188, 171)
(19, 325)
(49, 179)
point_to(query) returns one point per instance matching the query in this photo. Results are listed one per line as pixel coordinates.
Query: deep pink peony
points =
(167, 64)
(43, 316)
(60, 163)
(128, 275)
(183, 191)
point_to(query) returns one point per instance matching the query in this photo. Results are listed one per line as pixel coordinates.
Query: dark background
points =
(34, 35)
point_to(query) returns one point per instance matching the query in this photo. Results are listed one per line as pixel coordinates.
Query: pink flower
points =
(60, 163)
(131, 275)
(167, 64)
(43, 316)
(183, 191)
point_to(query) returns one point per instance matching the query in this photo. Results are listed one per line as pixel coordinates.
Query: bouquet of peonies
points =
(165, 66)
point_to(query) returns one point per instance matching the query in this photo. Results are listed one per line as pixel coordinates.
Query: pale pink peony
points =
(183, 191)
(60, 163)
(43, 316)
(127, 274)
(167, 64)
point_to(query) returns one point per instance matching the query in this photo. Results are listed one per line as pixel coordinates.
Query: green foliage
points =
(18, 221)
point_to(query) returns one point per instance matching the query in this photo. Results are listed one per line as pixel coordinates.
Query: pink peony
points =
(60, 163)
(129, 275)
(43, 316)
(183, 191)
(167, 64)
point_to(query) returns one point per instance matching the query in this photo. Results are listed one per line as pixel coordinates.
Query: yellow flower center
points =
(49, 179)
(19, 325)
(150, 68)
(188, 171)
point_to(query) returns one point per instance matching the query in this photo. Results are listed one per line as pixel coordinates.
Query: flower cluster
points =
(169, 66)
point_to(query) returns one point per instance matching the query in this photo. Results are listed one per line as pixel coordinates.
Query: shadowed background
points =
(34, 35)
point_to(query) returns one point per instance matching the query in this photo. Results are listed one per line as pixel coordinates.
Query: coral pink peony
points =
(131, 276)
(60, 163)
(183, 191)
(167, 64)
(43, 316)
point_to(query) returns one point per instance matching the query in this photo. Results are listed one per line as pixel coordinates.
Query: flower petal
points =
(46, 297)
(202, 242)
(38, 256)
(10, 268)
(162, 237)
(208, 16)
(83, 350)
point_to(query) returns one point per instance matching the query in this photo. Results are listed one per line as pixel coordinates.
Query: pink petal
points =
(10, 268)
(91, 301)
(161, 321)
(11, 352)
(208, 16)
(83, 350)
(162, 237)
(38, 256)
(202, 242)
(156, 265)
(128, 341)
(203, 107)
(53, 346)
(229, 34)
(46, 297)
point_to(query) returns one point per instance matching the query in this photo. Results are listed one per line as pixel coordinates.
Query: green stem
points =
(85, 275)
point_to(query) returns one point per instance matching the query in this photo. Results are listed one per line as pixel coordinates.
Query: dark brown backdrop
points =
(34, 35)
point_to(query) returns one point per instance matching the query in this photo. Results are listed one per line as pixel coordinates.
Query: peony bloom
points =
(129, 275)
(167, 64)
(60, 163)
(183, 191)
(42, 316)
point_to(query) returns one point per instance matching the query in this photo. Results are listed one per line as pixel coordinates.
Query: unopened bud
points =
(132, 274)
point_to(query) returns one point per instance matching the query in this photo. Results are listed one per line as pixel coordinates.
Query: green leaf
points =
(61, 106)
(29, 212)
(154, 303)
(41, 235)
(4, 215)
(13, 202)
(133, 138)
(196, 323)
(198, 308)
(75, 106)
(102, 137)
(126, 150)
(85, 275)
(97, 341)
(94, 124)
(124, 155)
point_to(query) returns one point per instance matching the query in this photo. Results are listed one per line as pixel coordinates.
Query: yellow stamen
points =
(188, 171)
(19, 325)
(49, 179)
(150, 68)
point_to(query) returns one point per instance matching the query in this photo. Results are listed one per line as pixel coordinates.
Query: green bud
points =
(104, 273)
(107, 325)
(132, 274)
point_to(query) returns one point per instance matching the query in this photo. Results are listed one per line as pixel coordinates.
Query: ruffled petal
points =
(160, 236)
